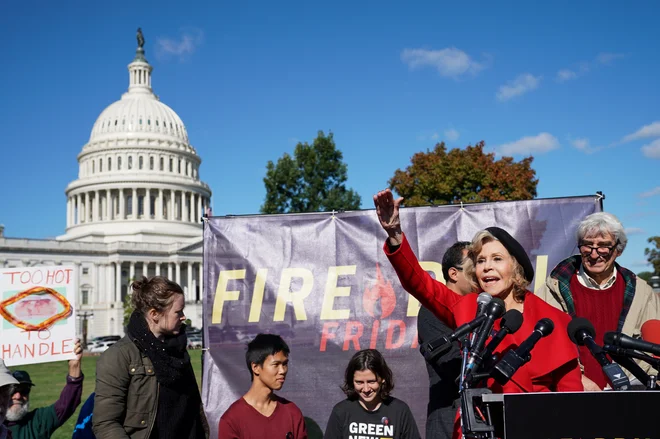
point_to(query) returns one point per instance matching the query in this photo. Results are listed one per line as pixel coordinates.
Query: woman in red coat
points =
(499, 266)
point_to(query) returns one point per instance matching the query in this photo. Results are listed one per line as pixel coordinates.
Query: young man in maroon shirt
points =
(592, 285)
(260, 413)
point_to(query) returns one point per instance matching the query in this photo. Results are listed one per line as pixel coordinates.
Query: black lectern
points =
(607, 415)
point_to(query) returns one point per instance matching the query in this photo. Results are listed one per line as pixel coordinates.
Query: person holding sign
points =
(42, 422)
(369, 409)
(498, 265)
(145, 384)
(7, 383)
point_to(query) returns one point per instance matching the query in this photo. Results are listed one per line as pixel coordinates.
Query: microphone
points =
(651, 331)
(442, 344)
(514, 359)
(582, 333)
(511, 321)
(493, 311)
(626, 342)
(482, 300)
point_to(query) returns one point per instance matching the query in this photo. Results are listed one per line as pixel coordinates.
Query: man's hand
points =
(589, 386)
(75, 369)
(387, 209)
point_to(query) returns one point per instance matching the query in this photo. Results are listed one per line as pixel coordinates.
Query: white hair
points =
(600, 224)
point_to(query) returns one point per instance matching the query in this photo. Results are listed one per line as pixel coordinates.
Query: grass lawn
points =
(50, 378)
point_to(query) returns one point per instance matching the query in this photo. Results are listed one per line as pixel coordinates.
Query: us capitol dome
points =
(138, 177)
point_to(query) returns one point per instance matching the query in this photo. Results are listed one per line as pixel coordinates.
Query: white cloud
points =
(566, 75)
(608, 58)
(544, 142)
(189, 41)
(519, 86)
(652, 150)
(435, 136)
(645, 132)
(651, 193)
(452, 134)
(634, 231)
(450, 62)
(584, 145)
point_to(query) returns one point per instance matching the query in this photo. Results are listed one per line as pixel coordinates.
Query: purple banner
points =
(323, 283)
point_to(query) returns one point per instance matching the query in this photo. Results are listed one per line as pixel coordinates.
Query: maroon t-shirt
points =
(602, 308)
(242, 421)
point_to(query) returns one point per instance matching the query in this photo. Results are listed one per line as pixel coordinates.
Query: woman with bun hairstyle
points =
(145, 384)
(499, 266)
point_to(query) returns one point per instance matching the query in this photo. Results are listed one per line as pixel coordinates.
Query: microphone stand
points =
(623, 357)
(471, 426)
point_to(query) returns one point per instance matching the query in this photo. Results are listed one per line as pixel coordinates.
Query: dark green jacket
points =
(42, 422)
(126, 398)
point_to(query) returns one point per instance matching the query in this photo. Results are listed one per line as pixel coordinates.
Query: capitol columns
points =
(159, 205)
(131, 274)
(122, 204)
(118, 282)
(87, 211)
(191, 294)
(97, 205)
(157, 268)
(134, 204)
(200, 213)
(178, 272)
(108, 204)
(169, 270)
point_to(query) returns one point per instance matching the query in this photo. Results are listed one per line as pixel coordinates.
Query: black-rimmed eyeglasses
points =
(601, 250)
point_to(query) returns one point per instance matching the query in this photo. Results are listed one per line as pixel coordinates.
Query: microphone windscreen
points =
(576, 329)
(651, 331)
(484, 298)
(512, 320)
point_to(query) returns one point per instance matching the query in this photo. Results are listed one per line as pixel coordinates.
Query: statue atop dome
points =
(140, 38)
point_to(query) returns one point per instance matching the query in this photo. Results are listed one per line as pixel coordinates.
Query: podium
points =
(568, 415)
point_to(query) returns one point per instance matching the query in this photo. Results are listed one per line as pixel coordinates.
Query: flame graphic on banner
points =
(41, 307)
(379, 301)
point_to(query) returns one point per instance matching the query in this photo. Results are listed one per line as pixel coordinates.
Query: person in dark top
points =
(260, 413)
(40, 423)
(83, 428)
(369, 411)
(443, 391)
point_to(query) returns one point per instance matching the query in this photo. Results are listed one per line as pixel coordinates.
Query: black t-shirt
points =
(393, 419)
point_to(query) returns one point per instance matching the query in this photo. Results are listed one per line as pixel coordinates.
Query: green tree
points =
(653, 254)
(645, 275)
(313, 180)
(463, 175)
(128, 309)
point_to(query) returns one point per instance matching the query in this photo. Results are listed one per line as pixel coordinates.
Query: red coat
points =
(554, 364)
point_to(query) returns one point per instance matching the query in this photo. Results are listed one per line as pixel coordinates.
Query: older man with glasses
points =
(7, 383)
(592, 285)
(40, 423)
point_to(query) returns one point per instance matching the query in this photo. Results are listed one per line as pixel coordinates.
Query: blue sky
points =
(572, 83)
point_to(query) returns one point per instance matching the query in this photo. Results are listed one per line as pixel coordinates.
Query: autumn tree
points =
(653, 254)
(313, 180)
(463, 175)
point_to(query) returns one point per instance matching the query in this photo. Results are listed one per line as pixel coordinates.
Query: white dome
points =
(139, 113)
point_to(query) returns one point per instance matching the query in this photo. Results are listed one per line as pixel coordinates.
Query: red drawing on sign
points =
(37, 302)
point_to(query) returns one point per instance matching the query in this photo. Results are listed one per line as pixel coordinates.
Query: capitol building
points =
(135, 208)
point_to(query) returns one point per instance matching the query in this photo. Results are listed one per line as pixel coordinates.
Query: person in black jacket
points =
(443, 391)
